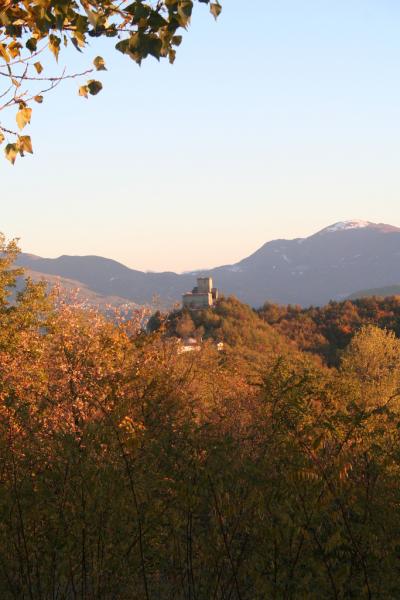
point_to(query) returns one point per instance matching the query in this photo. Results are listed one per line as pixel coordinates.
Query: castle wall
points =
(199, 300)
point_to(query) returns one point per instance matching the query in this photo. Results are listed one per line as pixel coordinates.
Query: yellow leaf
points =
(25, 144)
(38, 99)
(84, 91)
(4, 53)
(11, 151)
(2, 138)
(23, 117)
(38, 67)
(99, 63)
(54, 45)
(14, 48)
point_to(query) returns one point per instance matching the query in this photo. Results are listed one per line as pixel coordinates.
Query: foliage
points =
(327, 330)
(29, 28)
(130, 470)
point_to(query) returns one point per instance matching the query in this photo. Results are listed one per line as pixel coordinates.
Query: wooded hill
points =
(131, 470)
(322, 331)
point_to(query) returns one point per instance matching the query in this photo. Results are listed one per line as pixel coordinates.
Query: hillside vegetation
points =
(327, 330)
(132, 471)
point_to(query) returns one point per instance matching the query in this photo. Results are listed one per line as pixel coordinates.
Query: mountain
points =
(330, 264)
(108, 277)
(80, 291)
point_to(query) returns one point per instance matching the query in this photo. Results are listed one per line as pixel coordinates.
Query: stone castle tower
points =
(202, 296)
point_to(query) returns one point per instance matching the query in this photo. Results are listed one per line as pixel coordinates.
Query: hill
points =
(382, 292)
(82, 292)
(327, 330)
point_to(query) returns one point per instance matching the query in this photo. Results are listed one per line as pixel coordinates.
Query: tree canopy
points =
(131, 470)
(30, 28)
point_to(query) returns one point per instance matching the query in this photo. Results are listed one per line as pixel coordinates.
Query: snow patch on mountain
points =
(343, 225)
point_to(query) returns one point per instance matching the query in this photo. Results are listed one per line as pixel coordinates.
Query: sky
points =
(275, 121)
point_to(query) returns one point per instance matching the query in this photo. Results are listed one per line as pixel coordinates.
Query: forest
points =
(131, 470)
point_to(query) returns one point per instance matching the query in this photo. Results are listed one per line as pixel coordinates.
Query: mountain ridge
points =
(331, 264)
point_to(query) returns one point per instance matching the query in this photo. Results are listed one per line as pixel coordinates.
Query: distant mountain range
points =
(332, 264)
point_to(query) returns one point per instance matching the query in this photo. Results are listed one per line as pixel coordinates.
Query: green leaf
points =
(99, 64)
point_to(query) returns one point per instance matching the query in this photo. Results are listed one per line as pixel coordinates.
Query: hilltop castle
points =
(202, 296)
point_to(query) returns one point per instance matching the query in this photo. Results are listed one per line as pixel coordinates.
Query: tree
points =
(29, 28)
(372, 361)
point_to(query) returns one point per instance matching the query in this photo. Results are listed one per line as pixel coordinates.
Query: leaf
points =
(31, 44)
(23, 117)
(185, 9)
(84, 91)
(75, 42)
(123, 46)
(11, 151)
(54, 45)
(38, 67)
(99, 63)
(156, 21)
(25, 144)
(176, 40)
(38, 99)
(215, 9)
(14, 49)
(2, 138)
(94, 86)
(92, 16)
(4, 53)
(171, 56)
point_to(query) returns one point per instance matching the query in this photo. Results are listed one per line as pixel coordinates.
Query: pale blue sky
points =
(279, 119)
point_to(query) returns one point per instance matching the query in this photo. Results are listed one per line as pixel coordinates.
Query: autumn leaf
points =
(94, 87)
(83, 91)
(99, 64)
(11, 152)
(215, 9)
(25, 144)
(23, 117)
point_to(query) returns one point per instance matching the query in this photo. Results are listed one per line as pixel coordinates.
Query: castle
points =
(202, 296)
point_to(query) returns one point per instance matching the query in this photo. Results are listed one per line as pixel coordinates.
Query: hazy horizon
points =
(200, 267)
